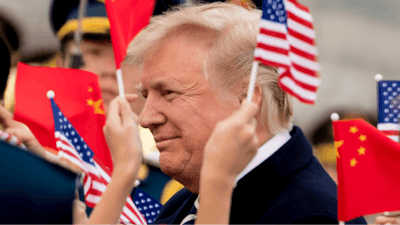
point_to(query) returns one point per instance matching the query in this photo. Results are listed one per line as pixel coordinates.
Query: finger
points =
(246, 111)
(6, 118)
(385, 220)
(113, 117)
(125, 112)
(131, 97)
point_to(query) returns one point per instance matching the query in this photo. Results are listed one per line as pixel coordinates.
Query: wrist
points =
(216, 177)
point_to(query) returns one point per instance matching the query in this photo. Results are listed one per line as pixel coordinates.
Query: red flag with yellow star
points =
(77, 92)
(368, 166)
(127, 18)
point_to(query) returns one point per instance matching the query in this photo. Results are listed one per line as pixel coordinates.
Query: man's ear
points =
(60, 62)
(258, 95)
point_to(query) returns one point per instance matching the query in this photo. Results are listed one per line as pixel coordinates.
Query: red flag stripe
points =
(299, 20)
(302, 53)
(273, 49)
(300, 36)
(273, 33)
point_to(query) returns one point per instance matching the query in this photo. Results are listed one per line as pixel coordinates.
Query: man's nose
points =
(151, 115)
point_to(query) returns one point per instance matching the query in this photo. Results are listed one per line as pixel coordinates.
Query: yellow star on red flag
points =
(353, 129)
(362, 138)
(361, 151)
(353, 162)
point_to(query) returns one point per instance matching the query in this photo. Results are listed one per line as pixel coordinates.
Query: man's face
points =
(180, 110)
(98, 57)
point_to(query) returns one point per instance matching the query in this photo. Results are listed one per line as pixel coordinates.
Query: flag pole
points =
(336, 117)
(120, 83)
(252, 83)
(76, 61)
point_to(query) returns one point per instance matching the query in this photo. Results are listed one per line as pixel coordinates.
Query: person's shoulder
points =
(174, 205)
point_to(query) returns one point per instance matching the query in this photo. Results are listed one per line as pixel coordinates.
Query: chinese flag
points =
(368, 166)
(127, 18)
(78, 95)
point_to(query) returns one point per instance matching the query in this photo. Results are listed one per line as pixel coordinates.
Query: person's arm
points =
(120, 132)
(230, 148)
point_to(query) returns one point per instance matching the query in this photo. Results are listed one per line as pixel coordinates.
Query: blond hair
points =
(230, 57)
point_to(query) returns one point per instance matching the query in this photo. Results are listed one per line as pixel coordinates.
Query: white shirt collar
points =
(264, 152)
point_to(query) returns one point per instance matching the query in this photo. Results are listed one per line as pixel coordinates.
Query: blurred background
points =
(356, 39)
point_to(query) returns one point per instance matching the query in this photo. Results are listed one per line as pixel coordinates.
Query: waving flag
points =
(368, 170)
(78, 92)
(287, 41)
(127, 18)
(389, 108)
(72, 147)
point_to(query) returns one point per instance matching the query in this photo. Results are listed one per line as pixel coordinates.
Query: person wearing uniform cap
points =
(98, 58)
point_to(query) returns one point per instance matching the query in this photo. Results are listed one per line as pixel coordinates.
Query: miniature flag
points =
(73, 147)
(368, 170)
(78, 92)
(287, 41)
(147, 205)
(389, 108)
(127, 18)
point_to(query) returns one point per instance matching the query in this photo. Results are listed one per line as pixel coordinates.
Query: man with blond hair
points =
(195, 64)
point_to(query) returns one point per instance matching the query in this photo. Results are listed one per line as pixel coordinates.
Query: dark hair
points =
(5, 57)
(86, 37)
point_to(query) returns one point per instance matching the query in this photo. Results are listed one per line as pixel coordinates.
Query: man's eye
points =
(166, 92)
(143, 94)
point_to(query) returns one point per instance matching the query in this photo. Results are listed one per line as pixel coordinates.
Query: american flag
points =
(286, 41)
(147, 205)
(72, 147)
(389, 108)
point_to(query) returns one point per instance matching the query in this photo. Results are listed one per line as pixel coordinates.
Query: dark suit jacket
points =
(289, 187)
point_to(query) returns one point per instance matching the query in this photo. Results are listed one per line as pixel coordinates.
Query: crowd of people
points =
(221, 158)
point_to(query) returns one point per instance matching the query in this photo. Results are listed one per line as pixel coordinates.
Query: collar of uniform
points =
(264, 152)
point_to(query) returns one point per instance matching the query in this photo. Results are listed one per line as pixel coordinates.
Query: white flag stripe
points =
(394, 137)
(130, 202)
(388, 126)
(68, 148)
(93, 198)
(103, 173)
(87, 185)
(275, 57)
(280, 28)
(303, 62)
(273, 41)
(304, 46)
(305, 78)
(123, 218)
(72, 159)
(99, 186)
(300, 28)
(92, 170)
(306, 94)
(290, 7)
(63, 138)
(132, 216)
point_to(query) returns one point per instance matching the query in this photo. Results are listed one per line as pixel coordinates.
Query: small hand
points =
(20, 131)
(386, 220)
(122, 135)
(233, 143)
